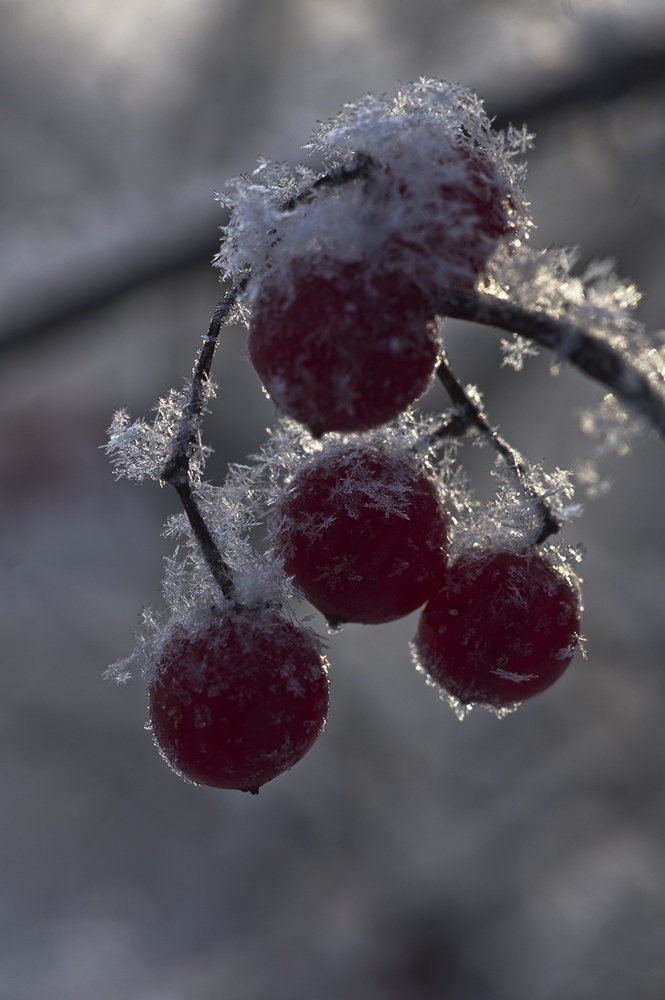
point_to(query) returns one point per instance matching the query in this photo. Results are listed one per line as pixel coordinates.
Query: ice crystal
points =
(412, 436)
(517, 350)
(541, 281)
(461, 708)
(611, 427)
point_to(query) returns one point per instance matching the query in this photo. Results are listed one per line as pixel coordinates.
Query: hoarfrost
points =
(541, 281)
(514, 518)
(612, 430)
(140, 450)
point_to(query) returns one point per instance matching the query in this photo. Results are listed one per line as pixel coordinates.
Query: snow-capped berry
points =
(363, 532)
(238, 698)
(342, 346)
(447, 223)
(501, 629)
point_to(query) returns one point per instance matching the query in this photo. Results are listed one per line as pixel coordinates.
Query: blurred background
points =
(409, 856)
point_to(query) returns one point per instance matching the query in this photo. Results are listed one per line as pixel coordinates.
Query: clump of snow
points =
(439, 179)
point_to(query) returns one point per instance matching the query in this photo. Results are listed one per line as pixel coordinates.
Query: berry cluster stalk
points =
(467, 414)
(176, 470)
(595, 357)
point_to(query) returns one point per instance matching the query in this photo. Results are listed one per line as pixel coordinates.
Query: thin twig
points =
(360, 167)
(176, 472)
(468, 414)
(592, 355)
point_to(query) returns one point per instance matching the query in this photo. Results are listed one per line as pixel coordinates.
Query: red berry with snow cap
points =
(448, 214)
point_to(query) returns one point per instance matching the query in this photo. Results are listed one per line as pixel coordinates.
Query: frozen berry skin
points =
(363, 533)
(501, 629)
(341, 347)
(238, 699)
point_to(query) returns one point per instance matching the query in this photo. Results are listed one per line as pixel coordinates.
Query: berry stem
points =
(215, 562)
(176, 472)
(468, 414)
(360, 167)
(596, 357)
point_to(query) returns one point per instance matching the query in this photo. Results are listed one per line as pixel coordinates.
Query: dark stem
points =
(213, 557)
(176, 472)
(595, 357)
(468, 414)
(359, 168)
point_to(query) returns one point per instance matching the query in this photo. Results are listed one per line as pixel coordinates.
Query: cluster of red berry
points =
(344, 340)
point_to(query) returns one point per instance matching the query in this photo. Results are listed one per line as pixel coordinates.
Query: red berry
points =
(238, 699)
(501, 629)
(340, 347)
(364, 534)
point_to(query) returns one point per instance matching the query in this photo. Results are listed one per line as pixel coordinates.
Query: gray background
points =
(408, 856)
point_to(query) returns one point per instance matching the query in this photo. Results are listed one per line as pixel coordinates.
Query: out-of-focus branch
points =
(607, 77)
(78, 306)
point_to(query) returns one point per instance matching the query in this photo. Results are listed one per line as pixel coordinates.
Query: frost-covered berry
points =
(342, 346)
(449, 219)
(503, 628)
(238, 698)
(363, 532)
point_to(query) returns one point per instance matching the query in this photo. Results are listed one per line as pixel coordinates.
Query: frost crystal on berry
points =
(363, 533)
